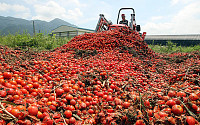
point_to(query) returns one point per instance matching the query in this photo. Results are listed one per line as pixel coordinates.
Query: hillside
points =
(13, 25)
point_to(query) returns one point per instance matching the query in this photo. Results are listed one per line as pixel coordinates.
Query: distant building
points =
(69, 31)
(184, 40)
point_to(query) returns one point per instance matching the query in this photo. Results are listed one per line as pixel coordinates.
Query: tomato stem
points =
(5, 111)
(190, 112)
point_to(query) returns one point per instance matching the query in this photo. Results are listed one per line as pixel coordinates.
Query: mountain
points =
(13, 25)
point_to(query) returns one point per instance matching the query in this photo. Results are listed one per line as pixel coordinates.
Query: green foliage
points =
(37, 42)
(46, 42)
(171, 47)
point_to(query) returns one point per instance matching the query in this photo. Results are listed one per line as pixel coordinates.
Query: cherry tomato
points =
(73, 102)
(172, 120)
(72, 120)
(170, 103)
(69, 97)
(33, 110)
(177, 109)
(126, 104)
(15, 112)
(90, 111)
(171, 93)
(193, 97)
(190, 120)
(139, 122)
(59, 91)
(7, 75)
(3, 93)
(68, 114)
(181, 94)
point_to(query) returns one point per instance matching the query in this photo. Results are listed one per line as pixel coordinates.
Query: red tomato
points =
(89, 98)
(69, 97)
(172, 120)
(3, 93)
(177, 109)
(170, 103)
(90, 111)
(190, 120)
(167, 110)
(126, 104)
(163, 114)
(150, 113)
(195, 107)
(171, 93)
(33, 110)
(139, 122)
(174, 76)
(71, 108)
(9, 108)
(193, 97)
(52, 107)
(68, 114)
(7, 75)
(36, 84)
(59, 91)
(109, 98)
(2, 122)
(40, 115)
(75, 87)
(147, 103)
(83, 105)
(21, 108)
(2, 81)
(48, 120)
(19, 81)
(73, 102)
(118, 101)
(181, 94)
(51, 98)
(27, 122)
(100, 94)
(15, 112)
(72, 120)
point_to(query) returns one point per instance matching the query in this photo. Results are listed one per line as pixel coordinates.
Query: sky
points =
(156, 17)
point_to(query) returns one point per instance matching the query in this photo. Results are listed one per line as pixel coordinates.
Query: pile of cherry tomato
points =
(123, 83)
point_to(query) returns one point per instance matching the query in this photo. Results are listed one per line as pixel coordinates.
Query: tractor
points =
(104, 25)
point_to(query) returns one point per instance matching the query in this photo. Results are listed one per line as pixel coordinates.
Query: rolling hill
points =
(13, 25)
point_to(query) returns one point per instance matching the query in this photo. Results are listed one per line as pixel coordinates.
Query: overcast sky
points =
(154, 16)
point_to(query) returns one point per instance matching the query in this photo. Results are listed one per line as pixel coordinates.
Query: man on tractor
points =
(123, 21)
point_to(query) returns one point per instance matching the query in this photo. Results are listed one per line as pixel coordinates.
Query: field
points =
(39, 42)
(43, 42)
(107, 78)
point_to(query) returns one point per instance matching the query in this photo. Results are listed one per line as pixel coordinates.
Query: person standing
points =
(123, 21)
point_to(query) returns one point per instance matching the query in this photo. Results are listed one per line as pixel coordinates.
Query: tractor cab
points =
(132, 22)
(104, 25)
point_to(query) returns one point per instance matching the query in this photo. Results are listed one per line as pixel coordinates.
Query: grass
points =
(38, 42)
(171, 47)
(41, 42)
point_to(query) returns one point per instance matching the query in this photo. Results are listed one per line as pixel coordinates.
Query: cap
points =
(123, 14)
